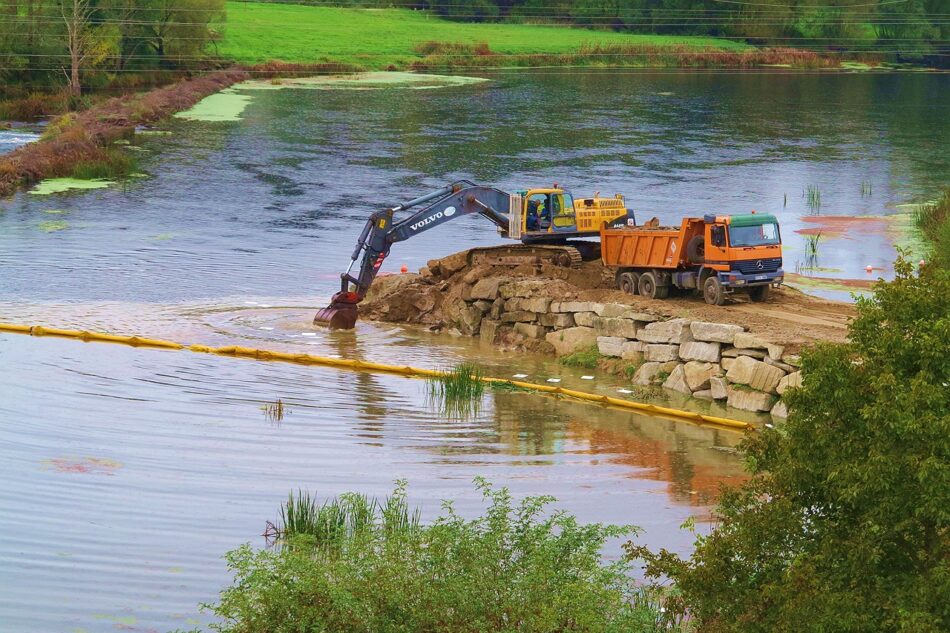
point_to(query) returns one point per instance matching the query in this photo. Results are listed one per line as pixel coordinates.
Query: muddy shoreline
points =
(742, 355)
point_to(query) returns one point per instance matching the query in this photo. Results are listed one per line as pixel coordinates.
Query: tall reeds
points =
(457, 392)
(812, 195)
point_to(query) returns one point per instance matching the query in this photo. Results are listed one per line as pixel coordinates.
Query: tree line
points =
(909, 28)
(43, 42)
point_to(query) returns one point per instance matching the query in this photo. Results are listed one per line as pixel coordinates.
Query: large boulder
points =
(620, 310)
(519, 316)
(386, 285)
(486, 289)
(610, 345)
(748, 400)
(790, 381)
(698, 374)
(586, 319)
(449, 265)
(529, 304)
(780, 410)
(569, 340)
(695, 350)
(633, 350)
(673, 331)
(751, 341)
(522, 288)
(662, 353)
(606, 326)
(677, 381)
(718, 386)
(575, 306)
(489, 329)
(755, 373)
(530, 330)
(557, 320)
(648, 373)
(715, 332)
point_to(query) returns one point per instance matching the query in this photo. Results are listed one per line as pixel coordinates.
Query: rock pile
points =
(716, 361)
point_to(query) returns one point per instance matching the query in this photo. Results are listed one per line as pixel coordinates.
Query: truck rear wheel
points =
(759, 293)
(648, 288)
(713, 292)
(628, 282)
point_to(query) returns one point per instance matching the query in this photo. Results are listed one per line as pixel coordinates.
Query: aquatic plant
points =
(462, 383)
(274, 411)
(586, 358)
(360, 565)
(107, 164)
(812, 195)
(933, 220)
(865, 188)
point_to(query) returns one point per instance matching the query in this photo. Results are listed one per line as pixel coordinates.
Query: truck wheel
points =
(696, 249)
(759, 293)
(628, 282)
(713, 292)
(647, 286)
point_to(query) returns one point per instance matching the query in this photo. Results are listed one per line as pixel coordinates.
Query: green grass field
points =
(375, 38)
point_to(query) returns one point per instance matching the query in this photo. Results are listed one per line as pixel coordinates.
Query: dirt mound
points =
(436, 298)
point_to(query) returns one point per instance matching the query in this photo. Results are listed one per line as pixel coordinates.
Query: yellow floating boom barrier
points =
(359, 365)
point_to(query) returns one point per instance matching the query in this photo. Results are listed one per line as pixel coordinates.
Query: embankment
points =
(744, 355)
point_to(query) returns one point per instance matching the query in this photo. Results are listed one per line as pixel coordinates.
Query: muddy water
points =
(128, 473)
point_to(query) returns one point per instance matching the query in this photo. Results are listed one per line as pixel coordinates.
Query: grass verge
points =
(360, 565)
(933, 220)
(586, 358)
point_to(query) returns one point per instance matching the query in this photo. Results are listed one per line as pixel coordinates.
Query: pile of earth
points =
(435, 298)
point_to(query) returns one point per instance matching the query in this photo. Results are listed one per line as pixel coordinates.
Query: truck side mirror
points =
(718, 234)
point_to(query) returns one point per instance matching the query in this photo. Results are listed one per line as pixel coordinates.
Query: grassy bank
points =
(378, 39)
(933, 219)
(79, 144)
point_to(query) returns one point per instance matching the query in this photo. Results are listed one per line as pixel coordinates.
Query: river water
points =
(128, 473)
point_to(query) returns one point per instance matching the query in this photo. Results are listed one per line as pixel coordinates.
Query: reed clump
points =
(812, 195)
(274, 411)
(457, 391)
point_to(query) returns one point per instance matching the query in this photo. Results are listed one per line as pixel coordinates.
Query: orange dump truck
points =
(716, 255)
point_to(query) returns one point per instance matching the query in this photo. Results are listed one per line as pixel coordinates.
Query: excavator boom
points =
(381, 231)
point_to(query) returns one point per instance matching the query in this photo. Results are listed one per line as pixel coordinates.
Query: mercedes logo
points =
(758, 264)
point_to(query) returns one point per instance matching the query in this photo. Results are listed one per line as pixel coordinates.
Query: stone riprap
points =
(711, 361)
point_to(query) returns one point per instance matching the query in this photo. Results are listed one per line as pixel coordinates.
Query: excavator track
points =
(533, 254)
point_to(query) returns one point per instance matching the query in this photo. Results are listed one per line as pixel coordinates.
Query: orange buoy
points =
(869, 268)
(404, 269)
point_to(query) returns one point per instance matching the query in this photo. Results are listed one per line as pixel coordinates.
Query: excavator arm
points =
(382, 230)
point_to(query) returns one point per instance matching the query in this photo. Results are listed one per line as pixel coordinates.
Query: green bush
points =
(933, 220)
(586, 358)
(845, 524)
(518, 567)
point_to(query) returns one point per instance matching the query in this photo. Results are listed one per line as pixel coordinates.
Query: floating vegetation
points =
(364, 81)
(55, 211)
(83, 465)
(865, 188)
(508, 387)
(274, 411)
(340, 519)
(61, 185)
(812, 195)
(458, 391)
(227, 105)
(51, 226)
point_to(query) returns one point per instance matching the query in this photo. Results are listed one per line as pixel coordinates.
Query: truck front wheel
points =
(759, 293)
(713, 292)
(628, 282)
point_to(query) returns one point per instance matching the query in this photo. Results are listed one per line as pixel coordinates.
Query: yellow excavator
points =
(544, 220)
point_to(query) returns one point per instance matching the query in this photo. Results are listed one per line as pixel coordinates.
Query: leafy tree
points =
(845, 524)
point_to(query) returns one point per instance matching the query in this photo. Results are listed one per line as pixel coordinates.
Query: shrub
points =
(845, 524)
(515, 568)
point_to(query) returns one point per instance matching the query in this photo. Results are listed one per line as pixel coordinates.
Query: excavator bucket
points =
(341, 314)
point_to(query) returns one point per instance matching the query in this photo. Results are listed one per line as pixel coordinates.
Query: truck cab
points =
(552, 215)
(740, 252)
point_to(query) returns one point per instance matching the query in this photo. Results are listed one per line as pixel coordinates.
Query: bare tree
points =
(86, 43)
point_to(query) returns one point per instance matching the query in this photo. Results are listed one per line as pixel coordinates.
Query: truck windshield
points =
(758, 235)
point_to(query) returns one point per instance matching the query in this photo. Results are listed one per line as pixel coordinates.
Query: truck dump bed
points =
(642, 247)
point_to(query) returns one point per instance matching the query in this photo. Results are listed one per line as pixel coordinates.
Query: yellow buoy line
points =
(359, 365)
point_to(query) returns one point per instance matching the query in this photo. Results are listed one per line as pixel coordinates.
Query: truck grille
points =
(754, 266)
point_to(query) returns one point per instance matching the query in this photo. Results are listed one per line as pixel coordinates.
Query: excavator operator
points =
(532, 219)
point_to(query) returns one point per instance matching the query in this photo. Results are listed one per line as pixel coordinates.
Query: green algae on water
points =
(364, 81)
(227, 105)
(51, 226)
(60, 185)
